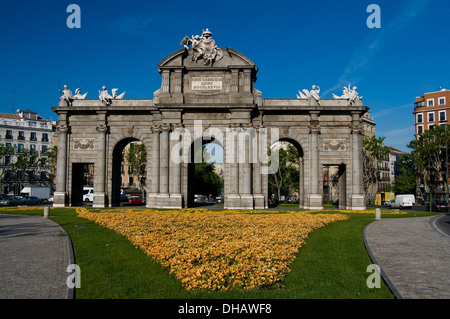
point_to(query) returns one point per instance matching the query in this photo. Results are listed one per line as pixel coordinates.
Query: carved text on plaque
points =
(209, 83)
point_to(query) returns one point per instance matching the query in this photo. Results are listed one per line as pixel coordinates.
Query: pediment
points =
(183, 58)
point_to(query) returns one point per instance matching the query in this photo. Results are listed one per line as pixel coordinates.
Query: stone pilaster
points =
(153, 196)
(100, 196)
(357, 200)
(60, 198)
(314, 197)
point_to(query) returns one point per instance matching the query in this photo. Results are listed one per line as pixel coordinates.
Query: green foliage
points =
(286, 180)
(374, 152)
(206, 180)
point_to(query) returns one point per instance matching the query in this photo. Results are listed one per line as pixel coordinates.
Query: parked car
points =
(6, 200)
(124, 198)
(440, 207)
(135, 200)
(12, 201)
(33, 200)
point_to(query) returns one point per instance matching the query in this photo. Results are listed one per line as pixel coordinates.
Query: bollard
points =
(46, 211)
(377, 213)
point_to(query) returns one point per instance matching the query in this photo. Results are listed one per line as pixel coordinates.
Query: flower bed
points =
(217, 250)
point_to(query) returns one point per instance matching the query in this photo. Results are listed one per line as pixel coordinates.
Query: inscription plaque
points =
(206, 83)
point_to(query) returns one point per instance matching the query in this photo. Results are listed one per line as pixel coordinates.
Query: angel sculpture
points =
(115, 96)
(314, 93)
(104, 96)
(349, 94)
(67, 95)
(78, 95)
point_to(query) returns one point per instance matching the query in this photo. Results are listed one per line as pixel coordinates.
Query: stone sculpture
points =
(67, 95)
(78, 95)
(313, 94)
(203, 47)
(106, 98)
(349, 94)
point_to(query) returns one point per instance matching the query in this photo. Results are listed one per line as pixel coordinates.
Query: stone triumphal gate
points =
(207, 94)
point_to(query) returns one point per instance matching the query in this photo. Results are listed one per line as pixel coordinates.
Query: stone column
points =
(232, 199)
(314, 197)
(176, 157)
(245, 166)
(164, 166)
(100, 198)
(61, 197)
(258, 197)
(153, 196)
(357, 200)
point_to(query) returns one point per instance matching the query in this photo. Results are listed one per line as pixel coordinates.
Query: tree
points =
(206, 180)
(373, 152)
(136, 157)
(286, 180)
(429, 155)
(5, 151)
(25, 166)
(405, 182)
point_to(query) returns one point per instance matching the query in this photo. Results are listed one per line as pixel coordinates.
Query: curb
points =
(382, 273)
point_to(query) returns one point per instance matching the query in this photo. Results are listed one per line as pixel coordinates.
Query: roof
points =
(10, 116)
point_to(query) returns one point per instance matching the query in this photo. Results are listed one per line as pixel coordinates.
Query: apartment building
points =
(431, 109)
(24, 130)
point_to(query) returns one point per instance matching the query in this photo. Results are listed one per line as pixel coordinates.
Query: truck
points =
(403, 201)
(88, 194)
(199, 199)
(43, 192)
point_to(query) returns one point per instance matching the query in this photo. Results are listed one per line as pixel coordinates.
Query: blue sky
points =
(295, 44)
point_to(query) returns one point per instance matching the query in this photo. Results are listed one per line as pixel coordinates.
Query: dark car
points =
(33, 200)
(440, 207)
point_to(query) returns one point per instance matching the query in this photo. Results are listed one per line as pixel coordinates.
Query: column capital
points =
(102, 128)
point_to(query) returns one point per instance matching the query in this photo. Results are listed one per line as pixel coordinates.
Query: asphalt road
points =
(442, 223)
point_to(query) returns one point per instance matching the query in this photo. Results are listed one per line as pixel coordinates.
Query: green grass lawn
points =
(331, 265)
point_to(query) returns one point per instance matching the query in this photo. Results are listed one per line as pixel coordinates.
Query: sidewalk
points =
(34, 255)
(413, 255)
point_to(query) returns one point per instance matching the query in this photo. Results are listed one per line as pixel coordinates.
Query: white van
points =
(403, 202)
(88, 194)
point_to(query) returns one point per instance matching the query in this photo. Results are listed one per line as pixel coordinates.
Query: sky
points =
(294, 44)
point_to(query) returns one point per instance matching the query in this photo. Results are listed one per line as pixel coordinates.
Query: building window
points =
(430, 126)
(430, 102)
(441, 101)
(419, 118)
(33, 148)
(431, 117)
(44, 149)
(20, 148)
(419, 129)
(442, 116)
(9, 135)
(33, 136)
(21, 136)
(44, 137)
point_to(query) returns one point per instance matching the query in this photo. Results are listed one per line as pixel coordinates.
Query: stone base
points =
(239, 202)
(100, 200)
(314, 201)
(260, 202)
(60, 199)
(357, 202)
(172, 201)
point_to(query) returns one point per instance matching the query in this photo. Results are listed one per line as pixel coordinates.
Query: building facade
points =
(24, 130)
(431, 109)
